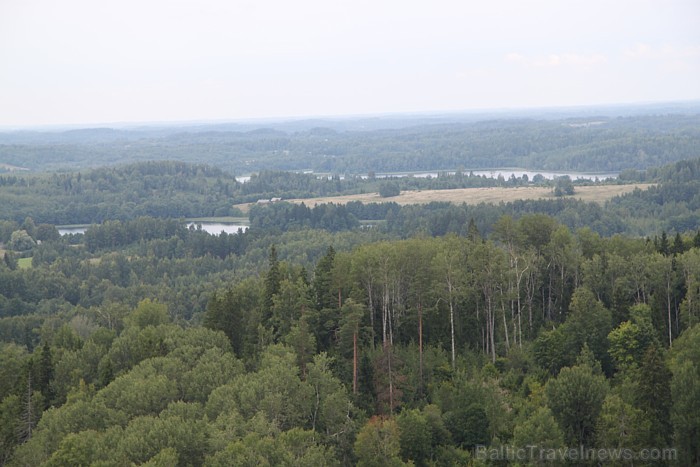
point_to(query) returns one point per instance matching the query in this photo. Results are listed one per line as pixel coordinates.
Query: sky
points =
(101, 61)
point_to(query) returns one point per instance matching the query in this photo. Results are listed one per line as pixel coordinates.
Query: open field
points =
(597, 193)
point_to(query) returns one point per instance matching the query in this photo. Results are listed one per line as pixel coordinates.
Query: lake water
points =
(491, 173)
(214, 228)
(506, 173)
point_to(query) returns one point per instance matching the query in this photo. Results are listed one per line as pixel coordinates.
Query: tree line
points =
(598, 144)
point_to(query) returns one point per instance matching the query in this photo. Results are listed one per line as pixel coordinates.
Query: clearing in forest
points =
(594, 193)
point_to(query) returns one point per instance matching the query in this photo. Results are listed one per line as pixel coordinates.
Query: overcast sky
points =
(95, 61)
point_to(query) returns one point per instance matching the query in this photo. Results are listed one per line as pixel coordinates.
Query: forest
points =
(581, 142)
(528, 333)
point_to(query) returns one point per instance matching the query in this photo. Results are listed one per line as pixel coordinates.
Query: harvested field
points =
(598, 194)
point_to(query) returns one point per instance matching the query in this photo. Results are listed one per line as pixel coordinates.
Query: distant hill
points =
(587, 140)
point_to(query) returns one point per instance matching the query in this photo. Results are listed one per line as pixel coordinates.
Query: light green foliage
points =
(576, 397)
(251, 451)
(178, 427)
(275, 390)
(212, 369)
(167, 457)
(135, 345)
(539, 429)
(685, 393)
(21, 241)
(621, 425)
(148, 388)
(331, 405)
(77, 449)
(631, 339)
(147, 313)
(55, 424)
(378, 444)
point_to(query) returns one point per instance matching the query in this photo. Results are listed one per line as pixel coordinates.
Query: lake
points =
(214, 228)
(490, 173)
(506, 173)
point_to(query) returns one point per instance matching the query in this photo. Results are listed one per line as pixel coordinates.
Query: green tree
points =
(468, 425)
(415, 437)
(563, 186)
(10, 416)
(273, 279)
(539, 429)
(289, 305)
(685, 395)
(631, 339)
(148, 313)
(653, 394)
(378, 444)
(621, 425)
(21, 241)
(576, 397)
(325, 295)
(389, 189)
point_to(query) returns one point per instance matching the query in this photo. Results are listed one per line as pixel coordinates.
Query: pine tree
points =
(664, 247)
(45, 372)
(272, 283)
(654, 395)
(325, 297)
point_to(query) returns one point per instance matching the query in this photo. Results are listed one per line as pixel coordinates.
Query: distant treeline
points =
(599, 144)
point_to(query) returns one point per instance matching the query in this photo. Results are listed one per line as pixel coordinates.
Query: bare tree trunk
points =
(505, 323)
(492, 325)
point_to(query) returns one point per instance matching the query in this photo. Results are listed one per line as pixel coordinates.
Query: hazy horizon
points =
(82, 63)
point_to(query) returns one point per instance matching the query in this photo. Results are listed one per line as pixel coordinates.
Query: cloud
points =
(667, 52)
(574, 60)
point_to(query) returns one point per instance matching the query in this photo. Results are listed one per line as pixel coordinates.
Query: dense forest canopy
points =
(524, 332)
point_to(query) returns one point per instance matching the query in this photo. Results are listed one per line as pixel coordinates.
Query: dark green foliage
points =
(563, 186)
(415, 437)
(389, 189)
(325, 296)
(286, 216)
(468, 425)
(654, 395)
(272, 283)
